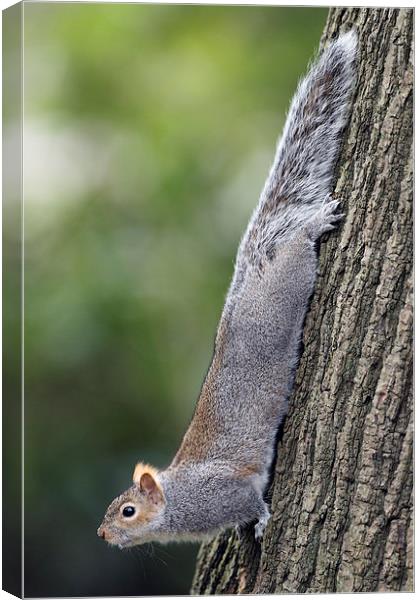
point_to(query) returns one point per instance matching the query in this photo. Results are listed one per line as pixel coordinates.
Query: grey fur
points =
(218, 476)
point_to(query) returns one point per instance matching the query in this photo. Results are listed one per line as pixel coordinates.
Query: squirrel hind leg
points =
(264, 517)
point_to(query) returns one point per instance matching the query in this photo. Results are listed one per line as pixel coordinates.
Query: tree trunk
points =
(342, 488)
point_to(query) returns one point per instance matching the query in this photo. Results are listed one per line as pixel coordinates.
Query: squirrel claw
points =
(240, 532)
(324, 220)
(262, 524)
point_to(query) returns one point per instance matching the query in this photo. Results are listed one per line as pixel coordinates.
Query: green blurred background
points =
(149, 131)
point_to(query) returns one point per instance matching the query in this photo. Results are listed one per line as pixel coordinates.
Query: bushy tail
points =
(300, 179)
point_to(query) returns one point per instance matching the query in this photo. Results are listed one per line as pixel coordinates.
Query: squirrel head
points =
(131, 518)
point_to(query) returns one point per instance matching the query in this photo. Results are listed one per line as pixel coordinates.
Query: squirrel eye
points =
(128, 511)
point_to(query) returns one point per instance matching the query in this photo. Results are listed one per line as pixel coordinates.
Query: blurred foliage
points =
(148, 134)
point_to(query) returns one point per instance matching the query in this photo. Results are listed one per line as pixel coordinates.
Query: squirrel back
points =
(259, 328)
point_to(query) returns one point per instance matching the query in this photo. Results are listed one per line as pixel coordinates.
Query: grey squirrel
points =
(219, 474)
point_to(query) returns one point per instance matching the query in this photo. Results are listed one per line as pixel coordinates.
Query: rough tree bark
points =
(342, 486)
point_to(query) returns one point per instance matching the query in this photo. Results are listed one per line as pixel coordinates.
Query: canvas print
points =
(208, 299)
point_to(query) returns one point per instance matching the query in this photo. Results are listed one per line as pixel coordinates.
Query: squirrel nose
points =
(101, 533)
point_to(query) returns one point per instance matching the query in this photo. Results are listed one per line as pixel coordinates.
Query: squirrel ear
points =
(149, 486)
(145, 477)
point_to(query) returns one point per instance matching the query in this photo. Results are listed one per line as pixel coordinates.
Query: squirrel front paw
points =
(262, 523)
(324, 220)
